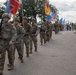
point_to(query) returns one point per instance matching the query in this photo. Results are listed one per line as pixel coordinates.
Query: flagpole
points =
(22, 13)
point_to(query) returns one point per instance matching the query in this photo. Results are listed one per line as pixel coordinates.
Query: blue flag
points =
(48, 18)
(7, 10)
(61, 20)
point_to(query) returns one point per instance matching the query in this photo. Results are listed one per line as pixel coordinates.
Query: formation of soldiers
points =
(14, 35)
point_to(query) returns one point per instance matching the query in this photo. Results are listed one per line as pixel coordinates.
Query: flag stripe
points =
(14, 5)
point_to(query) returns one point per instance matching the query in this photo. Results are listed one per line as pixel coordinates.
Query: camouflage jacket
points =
(42, 28)
(20, 33)
(34, 29)
(27, 29)
(8, 32)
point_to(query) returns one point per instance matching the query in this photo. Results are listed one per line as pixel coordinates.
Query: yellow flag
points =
(47, 9)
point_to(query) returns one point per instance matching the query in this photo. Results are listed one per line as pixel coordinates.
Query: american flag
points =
(53, 16)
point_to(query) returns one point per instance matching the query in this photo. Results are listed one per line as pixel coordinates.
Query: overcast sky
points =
(67, 8)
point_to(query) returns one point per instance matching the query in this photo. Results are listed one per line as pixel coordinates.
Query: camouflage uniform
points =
(2, 55)
(27, 28)
(56, 27)
(43, 34)
(34, 32)
(48, 32)
(19, 40)
(8, 35)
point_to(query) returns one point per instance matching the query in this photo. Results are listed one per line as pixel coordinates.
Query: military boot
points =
(27, 54)
(35, 49)
(10, 67)
(21, 59)
(30, 51)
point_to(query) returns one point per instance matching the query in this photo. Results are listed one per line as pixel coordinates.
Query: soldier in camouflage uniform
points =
(34, 32)
(48, 31)
(43, 33)
(27, 28)
(8, 35)
(19, 40)
(56, 27)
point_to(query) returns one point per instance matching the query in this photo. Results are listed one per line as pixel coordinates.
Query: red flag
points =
(14, 5)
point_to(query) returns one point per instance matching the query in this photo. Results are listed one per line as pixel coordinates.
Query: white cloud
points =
(67, 9)
(2, 0)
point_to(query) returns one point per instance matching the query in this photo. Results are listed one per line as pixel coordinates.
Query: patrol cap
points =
(5, 15)
(25, 18)
(16, 19)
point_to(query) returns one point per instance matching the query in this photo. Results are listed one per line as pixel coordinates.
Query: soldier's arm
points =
(37, 30)
(14, 34)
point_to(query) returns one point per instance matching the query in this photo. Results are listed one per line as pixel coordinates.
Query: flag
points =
(7, 9)
(47, 9)
(14, 5)
(49, 16)
(61, 20)
(53, 16)
(20, 1)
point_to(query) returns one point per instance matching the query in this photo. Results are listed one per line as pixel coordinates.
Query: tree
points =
(1, 11)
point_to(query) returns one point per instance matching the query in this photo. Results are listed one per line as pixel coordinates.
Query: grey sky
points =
(67, 9)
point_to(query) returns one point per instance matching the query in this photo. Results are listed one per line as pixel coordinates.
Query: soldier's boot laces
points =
(10, 67)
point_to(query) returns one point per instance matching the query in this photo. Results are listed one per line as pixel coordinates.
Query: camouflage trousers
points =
(33, 41)
(50, 33)
(43, 37)
(10, 50)
(27, 41)
(2, 55)
(20, 49)
(48, 36)
(56, 30)
(4, 46)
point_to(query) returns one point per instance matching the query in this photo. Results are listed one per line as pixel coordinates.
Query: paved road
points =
(58, 57)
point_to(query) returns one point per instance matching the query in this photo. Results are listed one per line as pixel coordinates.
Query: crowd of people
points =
(13, 36)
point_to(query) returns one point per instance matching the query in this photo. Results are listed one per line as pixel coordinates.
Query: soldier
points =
(43, 33)
(8, 35)
(34, 32)
(48, 31)
(27, 28)
(56, 27)
(19, 40)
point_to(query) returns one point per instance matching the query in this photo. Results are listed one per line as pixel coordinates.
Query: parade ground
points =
(57, 57)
